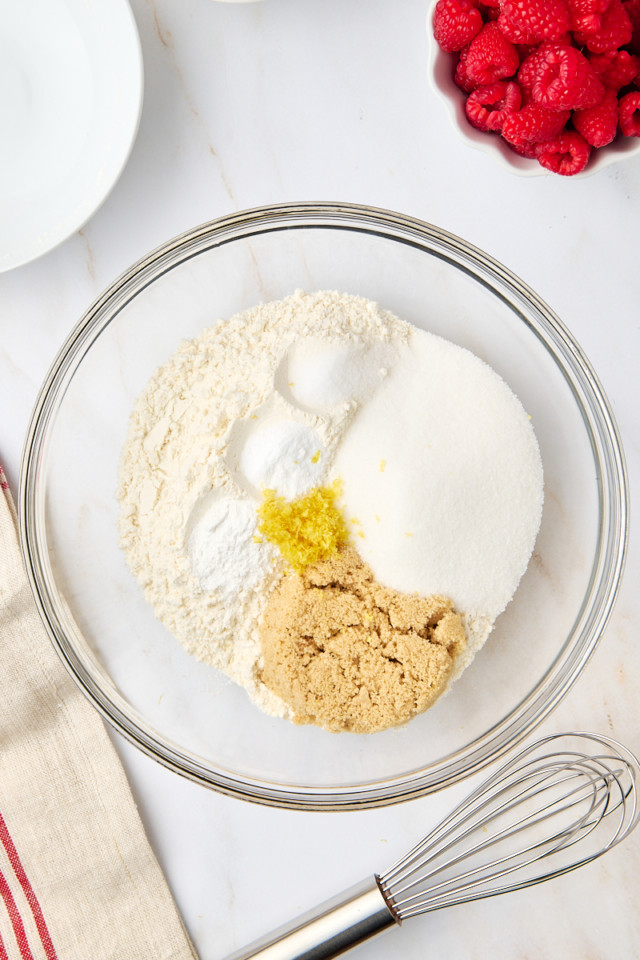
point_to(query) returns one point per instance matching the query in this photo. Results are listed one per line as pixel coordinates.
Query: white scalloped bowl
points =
(440, 75)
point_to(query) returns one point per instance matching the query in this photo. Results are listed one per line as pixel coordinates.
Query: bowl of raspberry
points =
(543, 85)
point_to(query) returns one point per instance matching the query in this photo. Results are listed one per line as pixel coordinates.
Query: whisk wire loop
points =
(434, 841)
(509, 862)
(530, 812)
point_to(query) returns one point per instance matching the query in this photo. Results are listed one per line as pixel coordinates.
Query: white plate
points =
(70, 101)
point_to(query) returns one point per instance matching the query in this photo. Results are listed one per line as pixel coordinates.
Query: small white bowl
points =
(440, 75)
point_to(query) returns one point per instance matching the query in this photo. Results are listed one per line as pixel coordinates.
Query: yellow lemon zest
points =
(305, 530)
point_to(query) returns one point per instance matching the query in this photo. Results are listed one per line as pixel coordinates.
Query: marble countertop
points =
(257, 103)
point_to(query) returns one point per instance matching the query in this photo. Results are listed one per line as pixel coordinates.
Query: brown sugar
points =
(348, 654)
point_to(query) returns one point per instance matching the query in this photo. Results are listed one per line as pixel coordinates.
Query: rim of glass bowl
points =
(599, 423)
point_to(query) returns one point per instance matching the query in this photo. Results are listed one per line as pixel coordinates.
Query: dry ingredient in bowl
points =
(351, 655)
(305, 530)
(320, 438)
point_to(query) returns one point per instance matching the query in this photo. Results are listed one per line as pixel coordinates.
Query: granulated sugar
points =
(437, 461)
(443, 472)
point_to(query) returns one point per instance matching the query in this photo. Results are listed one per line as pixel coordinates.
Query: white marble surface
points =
(247, 104)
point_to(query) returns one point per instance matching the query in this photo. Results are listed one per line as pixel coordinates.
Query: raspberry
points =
(488, 107)
(616, 69)
(615, 30)
(520, 37)
(455, 23)
(525, 148)
(567, 155)
(513, 33)
(460, 76)
(491, 56)
(561, 78)
(528, 71)
(589, 23)
(586, 15)
(598, 125)
(533, 124)
(583, 8)
(526, 21)
(629, 114)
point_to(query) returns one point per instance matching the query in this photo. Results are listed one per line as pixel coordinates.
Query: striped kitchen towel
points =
(78, 879)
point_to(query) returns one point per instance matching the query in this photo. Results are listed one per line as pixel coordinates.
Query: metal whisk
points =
(556, 805)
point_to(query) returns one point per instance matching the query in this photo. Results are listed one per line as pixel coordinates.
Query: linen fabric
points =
(78, 878)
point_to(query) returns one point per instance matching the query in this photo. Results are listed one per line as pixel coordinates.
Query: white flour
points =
(440, 469)
(196, 457)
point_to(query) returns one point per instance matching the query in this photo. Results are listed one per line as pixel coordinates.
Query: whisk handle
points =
(336, 926)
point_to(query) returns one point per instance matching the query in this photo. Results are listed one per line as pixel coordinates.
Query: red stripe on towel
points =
(27, 889)
(16, 919)
(3, 952)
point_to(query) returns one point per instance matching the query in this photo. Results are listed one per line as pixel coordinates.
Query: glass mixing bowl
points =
(185, 714)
